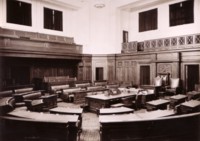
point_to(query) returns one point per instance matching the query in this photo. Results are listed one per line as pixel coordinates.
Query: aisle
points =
(90, 127)
(90, 123)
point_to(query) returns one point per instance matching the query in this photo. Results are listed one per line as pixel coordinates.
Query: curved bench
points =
(173, 128)
(7, 93)
(30, 95)
(54, 127)
(7, 104)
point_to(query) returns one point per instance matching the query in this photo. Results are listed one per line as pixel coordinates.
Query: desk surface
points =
(115, 110)
(109, 97)
(67, 110)
(135, 117)
(48, 96)
(193, 93)
(191, 103)
(178, 97)
(44, 117)
(158, 102)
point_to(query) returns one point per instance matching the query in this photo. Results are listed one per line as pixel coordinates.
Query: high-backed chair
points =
(161, 81)
(173, 87)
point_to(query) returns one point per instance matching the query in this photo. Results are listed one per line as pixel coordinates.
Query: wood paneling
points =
(27, 44)
(18, 71)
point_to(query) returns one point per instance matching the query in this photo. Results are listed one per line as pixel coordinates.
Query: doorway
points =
(144, 75)
(192, 76)
(99, 73)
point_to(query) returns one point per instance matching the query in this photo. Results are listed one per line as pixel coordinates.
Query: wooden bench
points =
(30, 95)
(7, 93)
(68, 94)
(82, 85)
(57, 89)
(100, 83)
(93, 90)
(7, 104)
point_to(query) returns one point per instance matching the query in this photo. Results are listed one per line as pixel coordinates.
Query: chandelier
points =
(99, 4)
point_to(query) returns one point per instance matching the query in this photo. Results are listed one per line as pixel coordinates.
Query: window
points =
(148, 20)
(182, 13)
(125, 36)
(53, 19)
(19, 12)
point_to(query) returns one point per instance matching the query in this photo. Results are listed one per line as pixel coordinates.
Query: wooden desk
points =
(69, 111)
(96, 102)
(25, 125)
(157, 104)
(66, 111)
(135, 117)
(156, 114)
(154, 126)
(190, 106)
(50, 101)
(120, 110)
(177, 99)
(44, 117)
(193, 95)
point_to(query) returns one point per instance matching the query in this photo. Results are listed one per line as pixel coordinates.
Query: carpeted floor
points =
(90, 123)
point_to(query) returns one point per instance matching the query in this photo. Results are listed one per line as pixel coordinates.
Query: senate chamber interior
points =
(99, 70)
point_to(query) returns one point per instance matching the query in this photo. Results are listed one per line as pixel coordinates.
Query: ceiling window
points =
(182, 13)
(53, 19)
(19, 12)
(148, 20)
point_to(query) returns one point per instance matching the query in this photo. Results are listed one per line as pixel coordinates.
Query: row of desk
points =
(26, 125)
(135, 116)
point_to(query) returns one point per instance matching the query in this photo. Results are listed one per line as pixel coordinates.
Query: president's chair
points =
(160, 82)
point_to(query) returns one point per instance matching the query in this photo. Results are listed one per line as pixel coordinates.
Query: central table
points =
(96, 102)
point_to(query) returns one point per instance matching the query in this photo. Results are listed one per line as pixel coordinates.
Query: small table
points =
(120, 110)
(177, 99)
(157, 104)
(190, 106)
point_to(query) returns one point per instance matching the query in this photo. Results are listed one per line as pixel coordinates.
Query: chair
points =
(128, 102)
(174, 85)
(160, 91)
(161, 81)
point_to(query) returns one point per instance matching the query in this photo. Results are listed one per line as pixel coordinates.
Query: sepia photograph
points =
(99, 70)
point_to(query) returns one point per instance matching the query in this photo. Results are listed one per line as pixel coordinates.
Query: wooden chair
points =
(173, 87)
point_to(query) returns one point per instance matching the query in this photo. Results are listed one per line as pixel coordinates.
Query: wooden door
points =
(144, 75)
(99, 73)
(192, 76)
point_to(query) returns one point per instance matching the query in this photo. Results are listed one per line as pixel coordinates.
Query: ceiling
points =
(129, 5)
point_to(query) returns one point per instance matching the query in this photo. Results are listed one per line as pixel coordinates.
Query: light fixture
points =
(99, 4)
